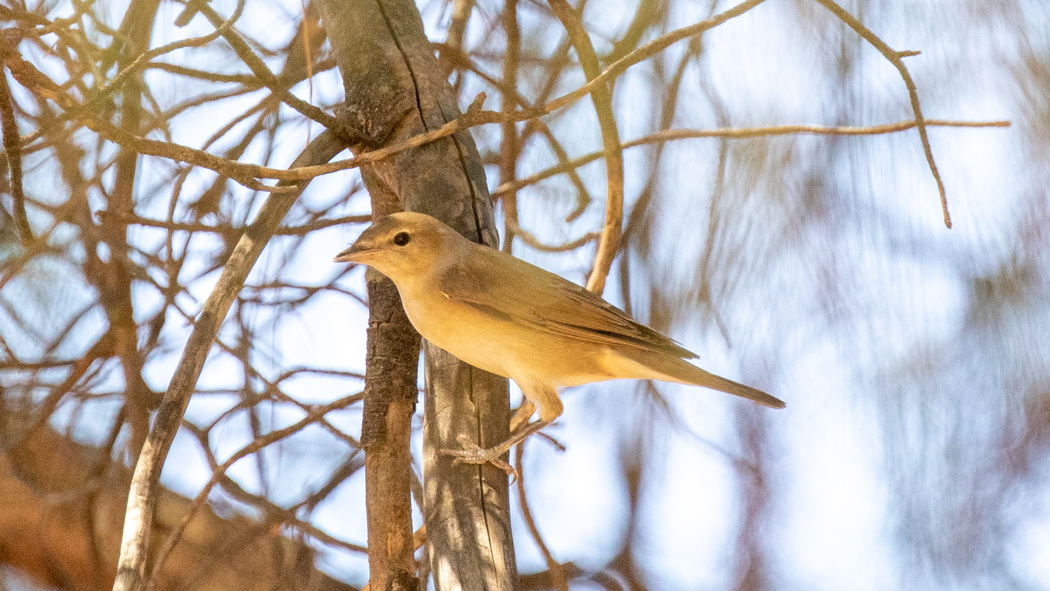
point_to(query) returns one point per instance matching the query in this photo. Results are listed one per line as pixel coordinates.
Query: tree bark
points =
(395, 89)
(392, 364)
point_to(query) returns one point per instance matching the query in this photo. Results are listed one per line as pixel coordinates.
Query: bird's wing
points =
(530, 296)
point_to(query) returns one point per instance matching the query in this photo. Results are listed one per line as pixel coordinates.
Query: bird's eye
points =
(401, 238)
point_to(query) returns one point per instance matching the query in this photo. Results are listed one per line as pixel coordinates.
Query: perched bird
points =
(516, 320)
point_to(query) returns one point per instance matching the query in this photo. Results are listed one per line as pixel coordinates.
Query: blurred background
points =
(913, 453)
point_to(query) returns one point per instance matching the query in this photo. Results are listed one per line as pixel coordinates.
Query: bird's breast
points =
(459, 330)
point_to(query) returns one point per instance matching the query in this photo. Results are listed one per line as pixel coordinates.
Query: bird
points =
(511, 318)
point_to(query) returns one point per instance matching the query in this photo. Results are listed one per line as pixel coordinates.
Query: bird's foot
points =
(473, 454)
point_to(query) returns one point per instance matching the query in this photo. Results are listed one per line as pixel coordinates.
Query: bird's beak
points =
(357, 253)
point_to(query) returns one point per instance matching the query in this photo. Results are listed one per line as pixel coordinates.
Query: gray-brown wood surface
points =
(394, 90)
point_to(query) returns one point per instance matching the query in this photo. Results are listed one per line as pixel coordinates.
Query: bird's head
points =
(403, 245)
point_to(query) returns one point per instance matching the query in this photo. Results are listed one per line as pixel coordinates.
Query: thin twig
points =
(738, 133)
(895, 58)
(534, 125)
(275, 513)
(556, 570)
(254, 446)
(258, 67)
(648, 50)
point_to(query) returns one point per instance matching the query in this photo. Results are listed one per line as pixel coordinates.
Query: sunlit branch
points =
(738, 133)
(612, 227)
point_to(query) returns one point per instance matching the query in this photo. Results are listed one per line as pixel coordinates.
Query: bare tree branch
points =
(735, 133)
(896, 58)
(602, 97)
(144, 485)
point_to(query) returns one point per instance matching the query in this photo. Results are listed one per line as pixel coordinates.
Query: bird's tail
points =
(672, 369)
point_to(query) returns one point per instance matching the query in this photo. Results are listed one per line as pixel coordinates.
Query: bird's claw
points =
(473, 454)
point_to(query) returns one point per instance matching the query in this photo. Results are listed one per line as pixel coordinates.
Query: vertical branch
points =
(395, 89)
(509, 146)
(13, 151)
(461, 10)
(115, 280)
(392, 364)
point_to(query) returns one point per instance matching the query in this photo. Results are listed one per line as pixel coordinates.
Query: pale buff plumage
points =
(514, 319)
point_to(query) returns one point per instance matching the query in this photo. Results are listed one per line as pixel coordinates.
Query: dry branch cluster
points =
(136, 258)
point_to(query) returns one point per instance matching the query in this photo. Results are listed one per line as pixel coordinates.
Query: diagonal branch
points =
(145, 483)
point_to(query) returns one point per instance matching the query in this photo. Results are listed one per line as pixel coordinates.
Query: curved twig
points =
(530, 239)
(612, 227)
(555, 568)
(895, 58)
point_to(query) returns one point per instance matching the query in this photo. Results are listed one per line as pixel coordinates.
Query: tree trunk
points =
(394, 90)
